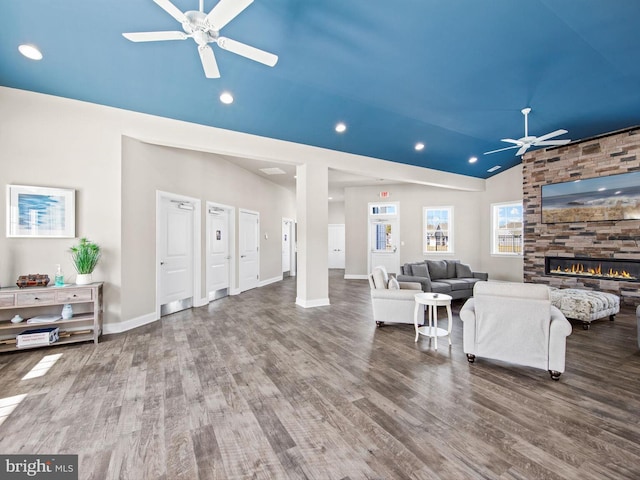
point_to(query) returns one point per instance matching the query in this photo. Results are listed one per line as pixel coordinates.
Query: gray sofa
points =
(442, 276)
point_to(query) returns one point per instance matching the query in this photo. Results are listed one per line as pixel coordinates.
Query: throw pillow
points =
(393, 284)
(463, 271)
(437, 269)
(451, 268)
(420, 270)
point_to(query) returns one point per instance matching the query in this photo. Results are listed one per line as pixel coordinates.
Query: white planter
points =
(84, 278)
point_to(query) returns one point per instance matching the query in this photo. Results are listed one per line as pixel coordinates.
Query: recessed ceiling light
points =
(226, 98)
(341, 127)
(473, 159)
(419, 146)
(30, 51)
(494, 168)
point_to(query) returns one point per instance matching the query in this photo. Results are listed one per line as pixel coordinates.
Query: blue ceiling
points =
(452, 74)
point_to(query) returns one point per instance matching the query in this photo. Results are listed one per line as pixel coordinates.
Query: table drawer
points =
(74, 295)
(35, 298)
(7, 300)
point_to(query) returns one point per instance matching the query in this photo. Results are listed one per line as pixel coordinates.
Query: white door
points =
(175, 235)
(286, 245)
(336, 246)
(218, 251)
(249, 246)
(384, 241)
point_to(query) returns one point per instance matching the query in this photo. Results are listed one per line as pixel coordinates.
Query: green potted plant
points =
(85, 257)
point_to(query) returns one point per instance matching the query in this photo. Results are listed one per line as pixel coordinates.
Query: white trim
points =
(492, 230)
(450, 231)
(200, 302)
(197, 246)
(320, 302)
(269, 281)
(235, 291)
(119, 327)
(380, 218)
(351, 276)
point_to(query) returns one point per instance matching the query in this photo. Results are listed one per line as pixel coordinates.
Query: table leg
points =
(434, 313)
(450, 322)
(415, 319)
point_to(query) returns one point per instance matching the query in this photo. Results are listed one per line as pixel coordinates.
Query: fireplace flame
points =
(579, 269)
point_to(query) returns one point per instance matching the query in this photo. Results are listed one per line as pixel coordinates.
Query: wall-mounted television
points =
(615, 197)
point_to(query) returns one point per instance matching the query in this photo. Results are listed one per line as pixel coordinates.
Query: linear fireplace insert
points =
(600, 268)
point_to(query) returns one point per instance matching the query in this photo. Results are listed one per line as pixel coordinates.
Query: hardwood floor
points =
(253, 386)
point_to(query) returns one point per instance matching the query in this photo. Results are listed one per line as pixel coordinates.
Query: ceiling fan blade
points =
(511, 140)
(550, 135)
(171, 9)
(501, 149)
(154, 36)
(208, 62)
(248, 51)
(523, 149)
(551, 142)
(225, 11)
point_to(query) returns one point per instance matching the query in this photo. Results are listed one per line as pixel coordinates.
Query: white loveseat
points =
(516, 323)
(392, 301)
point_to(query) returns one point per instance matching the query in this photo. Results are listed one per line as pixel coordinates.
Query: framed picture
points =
(41, 212)
(613, 197)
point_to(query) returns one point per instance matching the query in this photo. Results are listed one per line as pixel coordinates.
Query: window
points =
(507, 228)
(438, 229)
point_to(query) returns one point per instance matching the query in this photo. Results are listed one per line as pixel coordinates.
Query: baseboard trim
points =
(319, 302)
(200, 302)
(120, 327)
(268, 281)
(355, 277)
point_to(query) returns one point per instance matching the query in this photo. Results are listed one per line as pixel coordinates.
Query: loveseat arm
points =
(468, 317)
(424, 282)
(559, 330)
(383, 293)
(481, 275)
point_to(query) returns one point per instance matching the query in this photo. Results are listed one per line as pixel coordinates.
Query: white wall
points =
(505, 187)
(336, 212)
(412, 198)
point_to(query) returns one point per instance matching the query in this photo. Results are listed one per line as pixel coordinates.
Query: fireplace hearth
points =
(598, 268)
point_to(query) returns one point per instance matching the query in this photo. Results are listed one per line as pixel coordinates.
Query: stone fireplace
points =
(582, 249)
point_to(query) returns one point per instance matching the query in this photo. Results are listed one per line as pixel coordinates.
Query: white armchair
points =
(392, 301)
(515, 322)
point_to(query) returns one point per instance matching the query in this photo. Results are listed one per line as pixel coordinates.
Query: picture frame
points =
(40, 212)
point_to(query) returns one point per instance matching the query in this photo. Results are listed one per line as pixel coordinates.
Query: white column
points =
(312, 212)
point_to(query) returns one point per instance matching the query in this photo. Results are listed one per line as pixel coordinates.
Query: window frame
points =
(494, 248)
(450, 230)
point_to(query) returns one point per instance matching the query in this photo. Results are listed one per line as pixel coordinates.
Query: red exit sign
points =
(384, 194)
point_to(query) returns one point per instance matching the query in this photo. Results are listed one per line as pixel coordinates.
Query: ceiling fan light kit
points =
(525, 143)
(205, 29)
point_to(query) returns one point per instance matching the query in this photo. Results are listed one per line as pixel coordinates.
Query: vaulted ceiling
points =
(453, 75)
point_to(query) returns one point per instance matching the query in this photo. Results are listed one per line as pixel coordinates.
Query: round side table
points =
(432, 301)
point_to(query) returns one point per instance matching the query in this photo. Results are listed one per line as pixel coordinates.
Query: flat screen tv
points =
(616, 197)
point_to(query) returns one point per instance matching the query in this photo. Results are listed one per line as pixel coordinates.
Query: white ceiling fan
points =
(205, 29)
(523, 144)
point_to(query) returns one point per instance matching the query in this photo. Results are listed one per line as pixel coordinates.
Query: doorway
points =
(336, 245)
(177, 252)
(288, 248)
(219, 250)
(384, 236)
(249, 250)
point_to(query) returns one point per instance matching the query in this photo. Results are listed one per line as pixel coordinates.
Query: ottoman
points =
(585, 305)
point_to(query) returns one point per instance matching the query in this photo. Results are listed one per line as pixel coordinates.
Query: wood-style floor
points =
(253, 386)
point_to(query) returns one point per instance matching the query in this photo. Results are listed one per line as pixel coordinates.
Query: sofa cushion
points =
(420, 270)
(440, 287)
(451, 268)
(456, 284)
(393, 284)
(463, 271)
(437, 269)
(379, 278)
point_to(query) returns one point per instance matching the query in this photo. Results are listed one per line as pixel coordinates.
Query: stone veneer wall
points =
(610, 154)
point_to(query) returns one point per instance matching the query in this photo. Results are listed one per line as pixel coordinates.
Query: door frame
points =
(197, 254)
(231, 215)
(376, 218)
